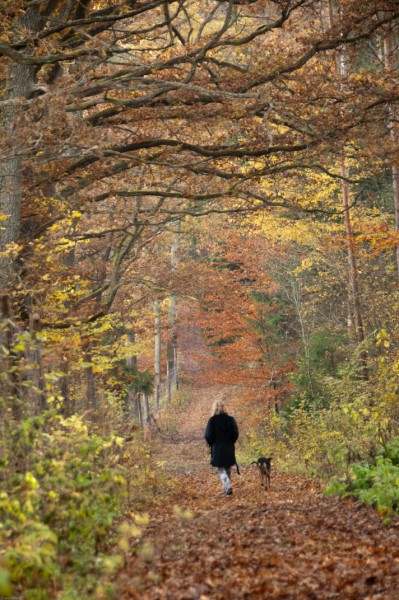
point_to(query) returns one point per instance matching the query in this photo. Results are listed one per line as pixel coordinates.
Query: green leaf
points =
(5, 584)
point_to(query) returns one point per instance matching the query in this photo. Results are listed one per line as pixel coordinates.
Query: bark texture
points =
(20, 84)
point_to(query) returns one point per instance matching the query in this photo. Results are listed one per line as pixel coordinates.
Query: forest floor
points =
(290, 542)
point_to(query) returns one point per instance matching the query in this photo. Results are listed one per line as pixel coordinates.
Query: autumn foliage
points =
(199, 193)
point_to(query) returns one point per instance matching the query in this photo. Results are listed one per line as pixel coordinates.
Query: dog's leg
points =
(263, 477)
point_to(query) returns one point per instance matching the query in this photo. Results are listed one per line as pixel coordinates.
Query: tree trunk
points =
(139, 411)
(131, 362)
(39, 386)
(389, 49)
(353, 271)
(91, 396)
(20, 83)
(171, 347)
(353, 287)
(157, 355)
(65, 389)
(296, 298)
(146, 408)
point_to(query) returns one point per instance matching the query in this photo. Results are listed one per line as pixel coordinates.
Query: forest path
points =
(291, 542)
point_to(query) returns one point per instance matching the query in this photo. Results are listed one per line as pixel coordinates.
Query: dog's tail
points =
(254, 462)
(238, 469)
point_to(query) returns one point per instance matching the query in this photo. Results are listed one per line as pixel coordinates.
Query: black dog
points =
(264, 466)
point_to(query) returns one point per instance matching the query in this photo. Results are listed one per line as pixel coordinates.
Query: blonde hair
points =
(218, 407)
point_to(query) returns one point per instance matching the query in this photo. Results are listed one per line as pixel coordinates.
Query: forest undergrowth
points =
(67, 487)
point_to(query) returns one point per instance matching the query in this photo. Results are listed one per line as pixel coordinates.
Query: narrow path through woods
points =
(292, 542)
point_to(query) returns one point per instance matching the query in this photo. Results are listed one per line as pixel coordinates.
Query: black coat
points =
(221, 434)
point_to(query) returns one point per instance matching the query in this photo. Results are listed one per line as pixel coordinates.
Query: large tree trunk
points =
(20, 84)
(389, 49)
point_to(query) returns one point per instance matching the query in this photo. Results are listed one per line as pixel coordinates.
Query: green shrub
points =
(62, 487)
(357, 424)
(391, 451)
(375, 484)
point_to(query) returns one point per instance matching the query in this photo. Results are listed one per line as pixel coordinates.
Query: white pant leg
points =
(224, 475)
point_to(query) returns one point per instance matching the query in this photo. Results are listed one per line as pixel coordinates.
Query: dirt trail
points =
(291, 542)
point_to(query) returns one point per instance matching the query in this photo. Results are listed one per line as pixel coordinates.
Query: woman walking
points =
(221, 434)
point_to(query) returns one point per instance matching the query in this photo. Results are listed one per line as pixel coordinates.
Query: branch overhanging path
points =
(291, 542)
